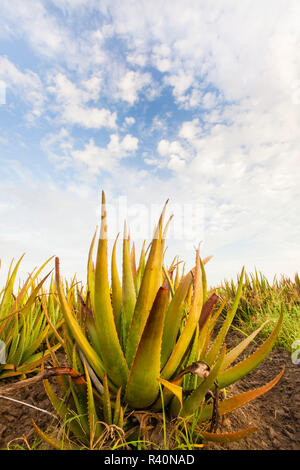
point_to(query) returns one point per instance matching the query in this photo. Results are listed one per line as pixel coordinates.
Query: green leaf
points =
(174, 316)
(170, 389)
(128, 288)
(243, 368)
(143, 388)
(117, 411)
(109, 345)
(150, 284)
(106, 402)
(189, 328)
(116, 289)
(194, 401)
(95, 426)
(232, 355)
(212, 354)
(91, 273)
(72, 323)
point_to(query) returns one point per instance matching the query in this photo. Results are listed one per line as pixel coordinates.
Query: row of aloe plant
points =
(263, 300)
(25, 317)
(148, 340)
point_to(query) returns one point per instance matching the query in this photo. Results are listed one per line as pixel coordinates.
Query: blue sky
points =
(151, 100)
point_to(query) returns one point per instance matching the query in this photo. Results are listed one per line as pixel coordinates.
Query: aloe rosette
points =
(129, 339)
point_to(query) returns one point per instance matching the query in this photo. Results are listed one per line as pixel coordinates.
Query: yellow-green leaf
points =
(150, 284)
(243, 368)
(189, 328)
(109, 344)
(116, 289)
(72, 323)
(143, 388)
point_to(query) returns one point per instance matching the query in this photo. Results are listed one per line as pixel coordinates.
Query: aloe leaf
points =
(52, 441)
(211, 356)
(133, 262)
(79, 397)
(142, 387)
(21, 344)
(169, 281)
(6, 299)
(109, 345)
(207, 309)
(171, 388)
(190, 380)
(61, 409)
(95, 426)
(117, 411)
(232, 355)
(194, 401)
(204, 282)
(140, 270)
(91, 273)
(188, 330)
(204, 323)
(35, 360)
(72, 323)
(150, 284)
(116, 289)
(128, 288)
(174, 317)
(106, 401)
(223, 438)
(231, 404)
(243, 368)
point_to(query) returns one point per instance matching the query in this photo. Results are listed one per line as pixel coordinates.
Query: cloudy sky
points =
(190, 100)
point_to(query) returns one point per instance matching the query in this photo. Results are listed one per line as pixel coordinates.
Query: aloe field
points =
(149, 357)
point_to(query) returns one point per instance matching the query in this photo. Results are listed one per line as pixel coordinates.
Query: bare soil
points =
(276, 414)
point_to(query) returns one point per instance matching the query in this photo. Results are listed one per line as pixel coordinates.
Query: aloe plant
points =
(23, 324)
(128, 339)
(262, 300)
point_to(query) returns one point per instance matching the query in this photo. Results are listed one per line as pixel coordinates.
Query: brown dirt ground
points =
(276, 414)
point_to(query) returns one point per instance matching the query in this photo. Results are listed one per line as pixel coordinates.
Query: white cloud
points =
(73, 103)
(24, 84)
(122, 148)
(137, 59)
(92, 158)
(129, 121)
(166, 148)
(131, 84)
(161, 57)
(180, 82)
(32, 20)
(190, 129)
(176, 163)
